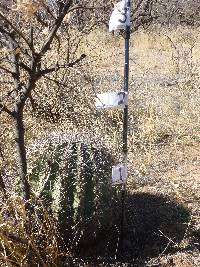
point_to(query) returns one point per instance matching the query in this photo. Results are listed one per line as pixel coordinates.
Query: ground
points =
(162, 218)
(182, 184)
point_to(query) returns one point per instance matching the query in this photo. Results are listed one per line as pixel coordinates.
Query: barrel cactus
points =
(74, 181)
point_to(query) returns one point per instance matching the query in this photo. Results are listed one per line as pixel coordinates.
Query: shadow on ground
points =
(153, 225)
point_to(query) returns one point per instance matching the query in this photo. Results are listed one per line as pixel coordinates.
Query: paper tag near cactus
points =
(119, 174)
(112, 100)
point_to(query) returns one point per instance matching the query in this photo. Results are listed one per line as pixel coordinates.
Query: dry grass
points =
(28, 239)
(164, 126)
(164, 132)
(164, 92)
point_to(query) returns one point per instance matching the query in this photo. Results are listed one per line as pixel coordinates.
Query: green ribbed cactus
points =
(74, 180)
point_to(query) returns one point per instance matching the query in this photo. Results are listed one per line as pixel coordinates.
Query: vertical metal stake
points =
(125, 130)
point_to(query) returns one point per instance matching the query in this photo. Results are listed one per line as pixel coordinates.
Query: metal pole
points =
(125, 128)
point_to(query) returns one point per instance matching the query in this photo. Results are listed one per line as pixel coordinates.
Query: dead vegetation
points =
(162, 204)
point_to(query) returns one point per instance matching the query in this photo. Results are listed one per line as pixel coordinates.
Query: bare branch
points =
(40, 20)
(15, 64)
(5, 97)
(25, 67)
(84, 7)
(59, 83)
(2, 184)
(15, 29)
(3, 31)
(33, 104)
(48, 10)
(55, 27)
(6, 70)
(3, 108)
(57, 67)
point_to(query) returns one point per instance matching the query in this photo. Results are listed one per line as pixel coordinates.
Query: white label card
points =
(119, 174)
(112, 100)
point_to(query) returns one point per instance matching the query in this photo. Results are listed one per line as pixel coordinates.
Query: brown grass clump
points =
(27, 239)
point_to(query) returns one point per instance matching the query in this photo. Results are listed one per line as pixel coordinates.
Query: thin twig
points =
(15, 29)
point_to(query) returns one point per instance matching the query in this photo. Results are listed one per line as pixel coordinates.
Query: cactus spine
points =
(77, 187)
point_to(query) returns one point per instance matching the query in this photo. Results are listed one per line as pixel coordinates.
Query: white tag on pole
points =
(112, 100)
(119, 174)
(120, 17)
